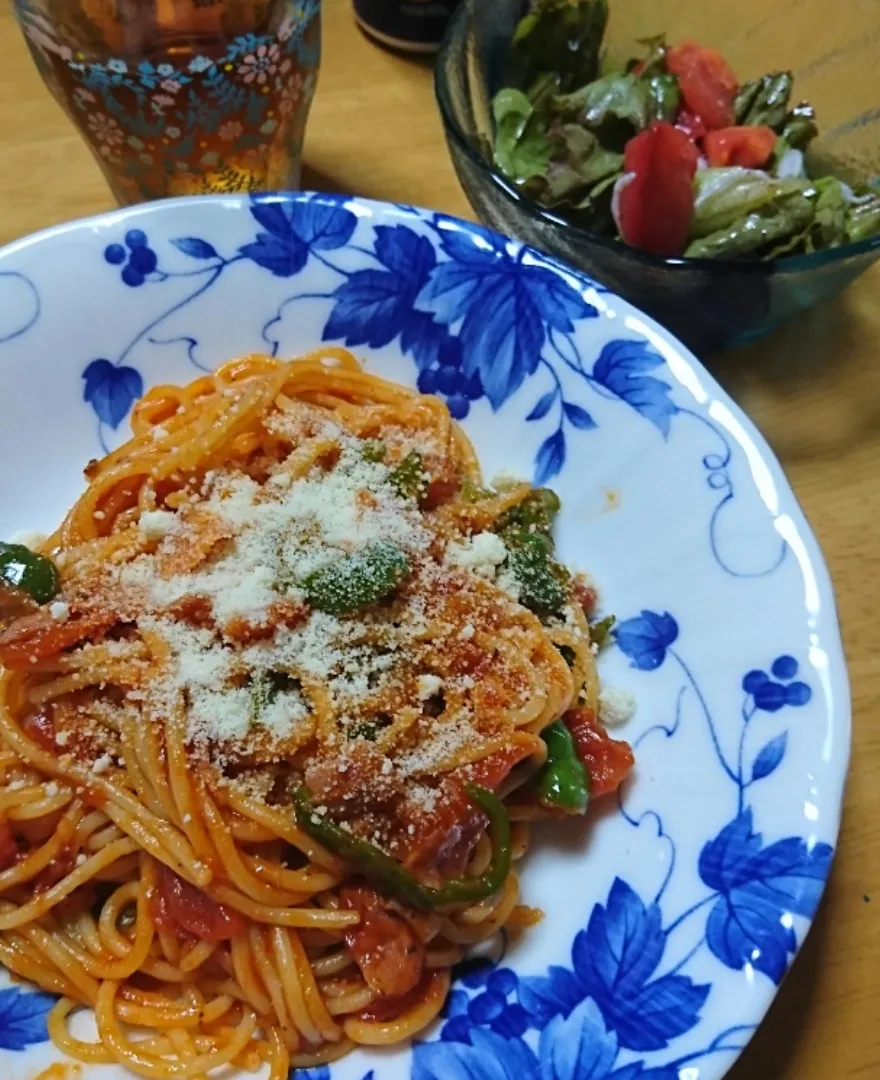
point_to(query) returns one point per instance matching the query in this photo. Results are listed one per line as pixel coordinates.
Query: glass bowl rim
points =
(449, 49)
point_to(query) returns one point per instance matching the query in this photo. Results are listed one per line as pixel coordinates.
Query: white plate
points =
(673, 916)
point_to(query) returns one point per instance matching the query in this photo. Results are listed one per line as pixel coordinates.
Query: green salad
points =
(667, 150)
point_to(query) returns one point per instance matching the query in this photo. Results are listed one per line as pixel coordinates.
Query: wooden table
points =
(813, 389)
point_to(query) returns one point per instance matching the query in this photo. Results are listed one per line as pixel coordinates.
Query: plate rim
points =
(687, 371)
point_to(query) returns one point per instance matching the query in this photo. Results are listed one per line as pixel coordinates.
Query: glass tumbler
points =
(182, 97)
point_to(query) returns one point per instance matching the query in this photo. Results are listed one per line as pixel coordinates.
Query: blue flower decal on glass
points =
(646, 638)
(23, 1018)
(110, 390)
(760, 889)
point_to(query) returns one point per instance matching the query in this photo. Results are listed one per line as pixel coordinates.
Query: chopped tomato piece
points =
(708, 85)
(383, 945)
(178, 906)
(15, 603)
(656, 199)
(691, 124)
(40, 728)
(607, 760)
(8, 846)
(384, 1009)
(447, 835)
(18, 651)
(440, 490)
(586, 596)
(749, 147)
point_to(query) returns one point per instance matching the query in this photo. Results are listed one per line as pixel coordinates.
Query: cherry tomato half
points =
(749, 147)
(708, 85)
(656, 200)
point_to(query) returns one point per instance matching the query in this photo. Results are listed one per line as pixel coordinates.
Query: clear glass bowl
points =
(706, 303)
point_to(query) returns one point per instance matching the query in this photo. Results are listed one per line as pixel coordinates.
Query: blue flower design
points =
(760, 889)
(293, 229)
(504, 305)
(646, 638)
(23, 1018)
(110, 390)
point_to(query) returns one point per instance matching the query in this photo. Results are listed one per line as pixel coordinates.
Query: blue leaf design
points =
(489, 1057)
(758, 887)
(543, 406)
(646, 637)
(406, 253)
(274, 215)
(546, 996)
(622, 945)
(615, 957)
(321, 1072)
(621, 369)
(577, 1048)
(282, 257)
(502, 337)
(769, 757)
(194, 247)
(505, 308)
(550, 458)
(110, 390)
(469, 245)
(637, 1071)
(422, 338)
(23, 1018)
(322, 226)
(373, 307)
(577, 416)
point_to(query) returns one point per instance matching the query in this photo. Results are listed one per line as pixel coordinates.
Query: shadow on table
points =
(767, 1055)
(813, 387)
(816, 343)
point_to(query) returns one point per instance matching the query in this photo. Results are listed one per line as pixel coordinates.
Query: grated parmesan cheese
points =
(616, 706)
(59, 610)
(154, 524)
(429, 685)
(102, 764)
(482, 553)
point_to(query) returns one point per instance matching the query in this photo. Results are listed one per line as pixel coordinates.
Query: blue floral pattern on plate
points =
(698, 885)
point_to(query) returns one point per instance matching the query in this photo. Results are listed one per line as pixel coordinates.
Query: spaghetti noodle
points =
(271, 750)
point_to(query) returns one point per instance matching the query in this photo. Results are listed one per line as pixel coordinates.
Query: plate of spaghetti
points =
(412, 664)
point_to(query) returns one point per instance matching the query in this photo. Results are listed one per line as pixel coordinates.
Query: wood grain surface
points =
(813, 389)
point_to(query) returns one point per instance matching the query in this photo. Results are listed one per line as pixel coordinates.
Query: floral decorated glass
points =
(181, 97)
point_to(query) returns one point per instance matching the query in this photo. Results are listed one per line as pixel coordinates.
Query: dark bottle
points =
(409, 25)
